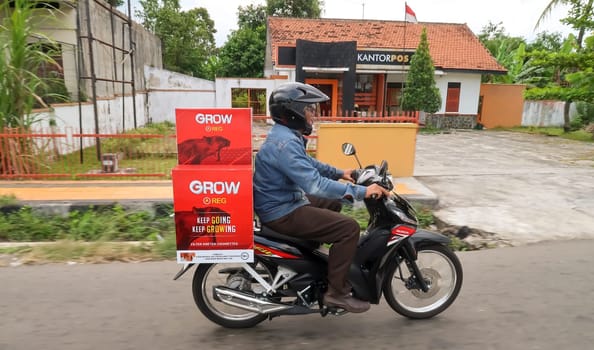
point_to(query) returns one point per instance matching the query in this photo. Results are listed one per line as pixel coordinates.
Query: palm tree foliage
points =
(24, 52)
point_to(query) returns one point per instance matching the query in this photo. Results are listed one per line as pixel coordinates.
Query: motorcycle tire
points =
(441, 270)
(209, 275)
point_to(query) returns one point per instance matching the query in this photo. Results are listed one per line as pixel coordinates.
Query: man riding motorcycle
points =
(296, 195)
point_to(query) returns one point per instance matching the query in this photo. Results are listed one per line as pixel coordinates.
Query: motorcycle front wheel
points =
(231, 276)
(442, 272)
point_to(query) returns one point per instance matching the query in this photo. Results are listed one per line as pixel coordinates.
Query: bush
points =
(114, 224)
(585, 115)
(25, 225)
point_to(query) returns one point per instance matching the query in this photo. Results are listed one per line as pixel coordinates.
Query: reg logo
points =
(216, 191)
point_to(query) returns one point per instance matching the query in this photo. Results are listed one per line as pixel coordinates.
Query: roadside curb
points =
(154, 197)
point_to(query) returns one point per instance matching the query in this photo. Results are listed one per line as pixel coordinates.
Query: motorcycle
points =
(416, 272)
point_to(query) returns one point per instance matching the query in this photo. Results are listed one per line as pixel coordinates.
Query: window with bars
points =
(249, 98)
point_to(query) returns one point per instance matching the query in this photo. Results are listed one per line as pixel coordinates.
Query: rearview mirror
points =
(348, 149)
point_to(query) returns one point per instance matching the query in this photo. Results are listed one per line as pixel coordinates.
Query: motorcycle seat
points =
(271, 234)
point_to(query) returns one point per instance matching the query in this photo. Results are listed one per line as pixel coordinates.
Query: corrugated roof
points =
(452, 46)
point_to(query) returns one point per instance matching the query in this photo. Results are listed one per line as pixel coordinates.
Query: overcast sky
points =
(518, 16)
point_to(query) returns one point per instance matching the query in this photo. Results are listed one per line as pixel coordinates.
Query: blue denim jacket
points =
(284, 173)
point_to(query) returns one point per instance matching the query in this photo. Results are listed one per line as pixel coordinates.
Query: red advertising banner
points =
(212, 186)
(214, 136)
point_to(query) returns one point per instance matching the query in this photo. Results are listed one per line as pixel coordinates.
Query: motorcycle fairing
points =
(369, 265)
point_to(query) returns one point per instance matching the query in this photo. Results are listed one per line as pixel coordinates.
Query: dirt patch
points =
(471, 238)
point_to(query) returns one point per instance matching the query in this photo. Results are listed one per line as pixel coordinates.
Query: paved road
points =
(525, 188)
(527, 297)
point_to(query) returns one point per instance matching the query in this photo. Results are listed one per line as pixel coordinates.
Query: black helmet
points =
(288, 102)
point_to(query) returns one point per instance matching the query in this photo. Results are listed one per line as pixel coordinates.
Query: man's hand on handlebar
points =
(347, 175)
(376, 191)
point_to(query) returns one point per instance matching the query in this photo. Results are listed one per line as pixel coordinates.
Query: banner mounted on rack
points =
(212, 186)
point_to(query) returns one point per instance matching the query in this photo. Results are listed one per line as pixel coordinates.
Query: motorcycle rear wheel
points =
(209, 275)
(441, 270)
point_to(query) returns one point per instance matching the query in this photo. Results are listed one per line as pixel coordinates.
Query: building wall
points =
(61, 27)
(224, 86)
(114, 115)
(470, 85)
(147, 49)
(546, 113)
(469, 89)
(370, 139)
(169, 90)
(502, 105)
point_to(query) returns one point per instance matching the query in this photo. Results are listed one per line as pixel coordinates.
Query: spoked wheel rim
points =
(214, 277)
(440, 275)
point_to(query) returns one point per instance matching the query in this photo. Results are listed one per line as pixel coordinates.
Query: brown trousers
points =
(321, 222)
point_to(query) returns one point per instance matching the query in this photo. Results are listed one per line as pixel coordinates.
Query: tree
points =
(251, 16)
(497, 41)
(574, 79)
(574, 76)
(23, 52)
(420, 92)
(243, 53)
(507, 51)
(187, 37)
(580, 16)
(295, 8)
(546, 41)
(115, 3)
(583, 79)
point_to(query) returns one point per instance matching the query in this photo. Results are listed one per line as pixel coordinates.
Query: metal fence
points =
(71, 154)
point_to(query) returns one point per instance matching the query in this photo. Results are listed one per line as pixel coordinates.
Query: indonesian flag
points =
(409, 14)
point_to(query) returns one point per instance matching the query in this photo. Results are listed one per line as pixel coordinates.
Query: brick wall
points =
(440, 121)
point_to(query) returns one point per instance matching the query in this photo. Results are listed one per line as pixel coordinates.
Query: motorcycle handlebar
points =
(378, 176)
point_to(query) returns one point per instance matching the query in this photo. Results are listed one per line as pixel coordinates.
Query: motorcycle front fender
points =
(423, 237)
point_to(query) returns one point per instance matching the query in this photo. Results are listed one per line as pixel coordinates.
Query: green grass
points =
(146, 155)
(430, 130)
(8, 200)
(92, 252)
(577, 135)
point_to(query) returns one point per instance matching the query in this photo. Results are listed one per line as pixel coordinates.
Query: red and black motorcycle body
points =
(374, 251)
(289, 275)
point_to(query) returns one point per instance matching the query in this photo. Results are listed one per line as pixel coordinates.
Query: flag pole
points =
(409, 15)
(402, 65)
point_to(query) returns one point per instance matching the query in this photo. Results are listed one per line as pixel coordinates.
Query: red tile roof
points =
(452, 46)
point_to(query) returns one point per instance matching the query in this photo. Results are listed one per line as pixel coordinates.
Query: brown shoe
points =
(347, 302)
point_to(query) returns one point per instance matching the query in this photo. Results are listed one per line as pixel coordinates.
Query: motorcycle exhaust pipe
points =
(247, 301)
